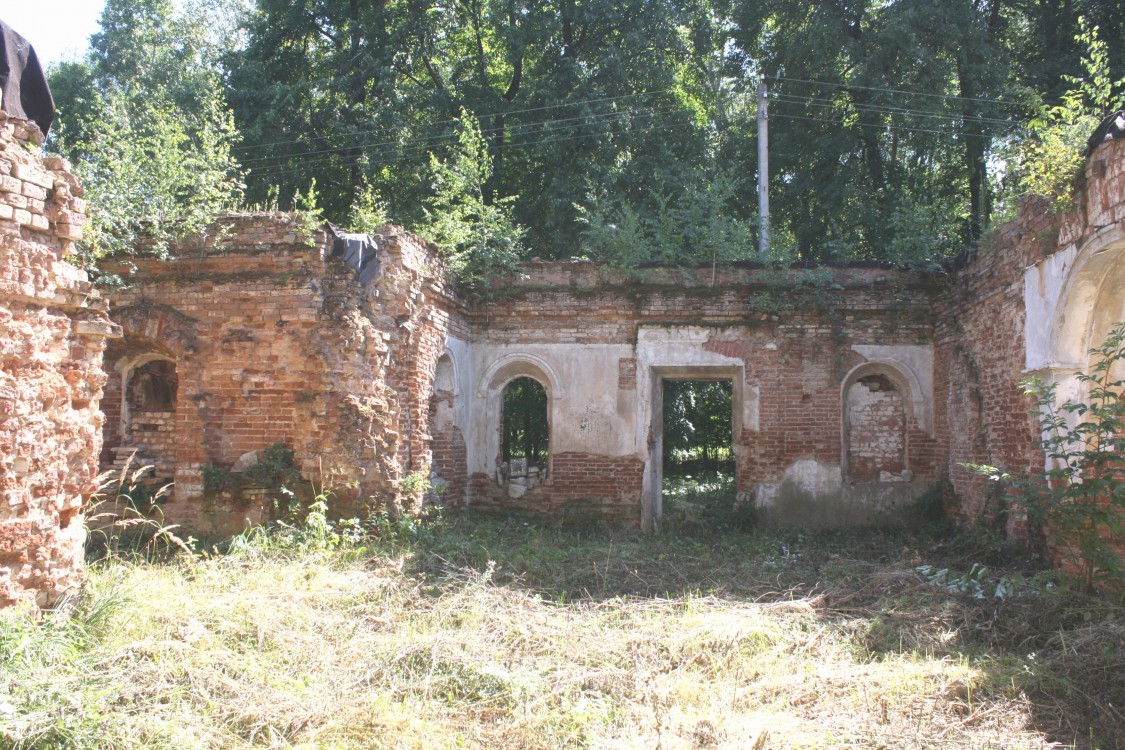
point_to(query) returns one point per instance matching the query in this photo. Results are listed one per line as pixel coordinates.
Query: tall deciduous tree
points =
(144, 121)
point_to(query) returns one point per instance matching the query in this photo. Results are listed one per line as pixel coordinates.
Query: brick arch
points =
(165, 327)
(897, 410)
(150, 332)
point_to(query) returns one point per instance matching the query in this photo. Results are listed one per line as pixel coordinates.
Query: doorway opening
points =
(525, 431)
(698, 461)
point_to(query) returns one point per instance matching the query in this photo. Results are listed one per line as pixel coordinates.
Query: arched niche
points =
(877, 407)
(1091, 302)
(445, 374)
(144, 378)
(447, 442)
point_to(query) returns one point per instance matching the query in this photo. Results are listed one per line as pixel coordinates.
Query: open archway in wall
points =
(876, 404)
(524, 435)
(496, 388)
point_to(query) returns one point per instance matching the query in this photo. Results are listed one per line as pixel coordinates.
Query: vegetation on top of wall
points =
(475, 230)
(144, 120)
(1050, 160)
(537, 130)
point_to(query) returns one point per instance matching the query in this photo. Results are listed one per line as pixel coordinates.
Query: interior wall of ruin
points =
(276, 341)
(1031, 300)
(53, 329)
(857, 389)
(603, 342)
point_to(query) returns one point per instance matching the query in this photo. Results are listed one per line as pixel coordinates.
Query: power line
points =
(517, 129)
(892, 91)
(423, 145)
(887, 110)
(391, 128)
(885, 126)
(307, 164)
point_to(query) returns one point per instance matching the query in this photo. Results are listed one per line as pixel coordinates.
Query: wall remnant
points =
(1032, 300)
(53, 328)
(855, 389)
(275, 338)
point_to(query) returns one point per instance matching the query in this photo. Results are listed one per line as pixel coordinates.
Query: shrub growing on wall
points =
(1080, 499)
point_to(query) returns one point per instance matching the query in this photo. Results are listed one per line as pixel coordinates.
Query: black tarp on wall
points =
(22, 83)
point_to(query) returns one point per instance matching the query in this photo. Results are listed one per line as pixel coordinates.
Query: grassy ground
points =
(507, 633)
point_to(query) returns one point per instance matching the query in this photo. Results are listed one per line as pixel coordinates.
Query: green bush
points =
(1080, 499)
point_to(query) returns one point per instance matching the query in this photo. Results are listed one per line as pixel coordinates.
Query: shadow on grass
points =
(894, 593)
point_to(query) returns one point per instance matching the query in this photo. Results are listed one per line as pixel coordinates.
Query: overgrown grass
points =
(488, 632)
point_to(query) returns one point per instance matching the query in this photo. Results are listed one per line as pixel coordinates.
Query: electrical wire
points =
(883, 126)
(880, 109)
(517, 129)
(391, 128)
(893, 91)
(308, 165)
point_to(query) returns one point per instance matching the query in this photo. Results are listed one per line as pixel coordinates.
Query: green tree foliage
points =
(145, 123)
(478, 237)
(697, 425)
(1049, 159)
(882, 117)
(525, 421)
(573, 99)
(621, 130)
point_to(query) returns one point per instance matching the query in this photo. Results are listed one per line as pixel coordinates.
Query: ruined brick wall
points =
(275, 341)
(52, 332)
(987, 340)
(979, 359)
(793, 337)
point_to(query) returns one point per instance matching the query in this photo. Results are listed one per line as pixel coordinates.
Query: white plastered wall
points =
(585, 412)
(1072, 299)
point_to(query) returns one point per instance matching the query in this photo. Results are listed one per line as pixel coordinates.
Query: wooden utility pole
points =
(763, 173)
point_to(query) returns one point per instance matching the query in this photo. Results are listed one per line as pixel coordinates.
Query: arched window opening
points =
(524, 433)
(876, 430)
(152, 387)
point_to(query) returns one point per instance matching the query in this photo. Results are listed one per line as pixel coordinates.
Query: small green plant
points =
(474, 229)
(217, 480)
(369, 211)
(1080, 499)
(274, 472)
(307, 207)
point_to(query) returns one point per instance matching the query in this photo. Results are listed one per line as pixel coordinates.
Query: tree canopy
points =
(620, 130)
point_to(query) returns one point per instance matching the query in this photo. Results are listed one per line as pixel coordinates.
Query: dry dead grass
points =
(495, 634)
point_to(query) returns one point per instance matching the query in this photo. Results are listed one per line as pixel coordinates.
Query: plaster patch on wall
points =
(1042, 289)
